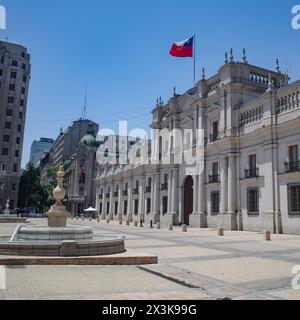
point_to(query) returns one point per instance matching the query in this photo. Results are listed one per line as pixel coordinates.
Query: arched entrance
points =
(188, 199)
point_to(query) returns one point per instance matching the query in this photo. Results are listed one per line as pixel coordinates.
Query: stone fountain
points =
(8, 217)
(58, 239)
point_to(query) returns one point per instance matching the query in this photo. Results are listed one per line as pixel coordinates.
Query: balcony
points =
(251, 173)
(135, 191)
(215, 178)
(125, 193)
(100, 196)
(292, 166)
(148, 189)
(107, 196)
(116, 194)
(214, 137)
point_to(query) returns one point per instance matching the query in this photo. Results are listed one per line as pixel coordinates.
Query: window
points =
(5, 152)
(21, 115)
(13, 187)
(24, 78)
(2, 59)
(164, 205)
(18, 141)
(214, 178)
(14, 63)
(215, 131)
(294, 199)
(24, 66)
(252, 161)
(148, 205)
(17, 152)
(1, 72)
(23, 55)
(3, 167)
(13, 75)
(12, 87)
(293, 153)
(6, 139)
(22, 103)
(10, 99)
(100, 208)
(253, 201)
(136, 207)
(107, 207)
(125, 207)
(81, 191)
(19, 127)
(116, 208)
(23, 90)
(9, 113)
(15, 167)
(215, 202)
(7, 125)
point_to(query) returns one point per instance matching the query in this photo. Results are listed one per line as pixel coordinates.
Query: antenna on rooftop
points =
(85, 104)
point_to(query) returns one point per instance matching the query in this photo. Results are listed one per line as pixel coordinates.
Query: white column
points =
(111, 202)
(202, 189)
(170, 186)
(195, 125)
(142, 191)
(224, 185)
(232, 184)
(130, 198)
(174, 208)
(104, 202)
(195, 194)
(156, 193)
(120, 200)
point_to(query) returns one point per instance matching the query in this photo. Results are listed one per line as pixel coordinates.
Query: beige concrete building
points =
(66, 144)
(14, 84)
(80, 177)
(247, 173)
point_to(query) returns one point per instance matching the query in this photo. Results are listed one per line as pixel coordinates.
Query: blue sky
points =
(119, 49)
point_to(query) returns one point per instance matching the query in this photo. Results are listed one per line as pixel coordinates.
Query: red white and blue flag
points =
(184, 49)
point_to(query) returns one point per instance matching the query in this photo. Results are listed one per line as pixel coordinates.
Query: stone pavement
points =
(192, 265)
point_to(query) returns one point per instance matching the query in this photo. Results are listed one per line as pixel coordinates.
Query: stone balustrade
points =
(288, 102)
(252, 115)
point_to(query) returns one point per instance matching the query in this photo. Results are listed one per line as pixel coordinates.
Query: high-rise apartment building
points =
(14, 83)
(39, 148)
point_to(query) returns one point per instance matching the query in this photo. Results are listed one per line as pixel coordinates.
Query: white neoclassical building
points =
(247, 175)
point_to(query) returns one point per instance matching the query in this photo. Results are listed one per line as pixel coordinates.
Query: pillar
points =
(130, 199)
(142, 191)
(120, 200)
(224, 184)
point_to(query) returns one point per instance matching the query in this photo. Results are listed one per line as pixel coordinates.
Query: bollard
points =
(141, 224)
(184, 228)
(107, 221)
(135, 223)
(220, 232)
(98, 219)
(170, 227)
(267, 235)
(151, 224)
(158, 225)
(127, 223)
(120, 222)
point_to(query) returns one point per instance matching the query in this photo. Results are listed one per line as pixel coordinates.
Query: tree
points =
(31, 192)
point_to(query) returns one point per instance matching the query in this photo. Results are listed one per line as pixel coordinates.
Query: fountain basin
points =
(97, 246)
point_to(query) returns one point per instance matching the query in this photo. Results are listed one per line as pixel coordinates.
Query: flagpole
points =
(194, 60)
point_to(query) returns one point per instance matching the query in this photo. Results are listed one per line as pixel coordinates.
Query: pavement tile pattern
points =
(194, 265)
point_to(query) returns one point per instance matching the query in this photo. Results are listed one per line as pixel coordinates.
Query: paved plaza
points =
(193, 265)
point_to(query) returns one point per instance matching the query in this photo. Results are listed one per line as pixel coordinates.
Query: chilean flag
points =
(183, 49)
